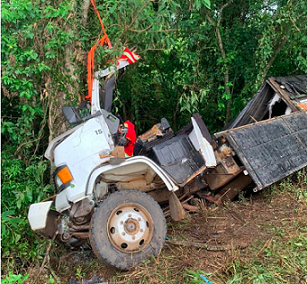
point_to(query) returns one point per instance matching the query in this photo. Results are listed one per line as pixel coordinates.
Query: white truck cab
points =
(112, 201)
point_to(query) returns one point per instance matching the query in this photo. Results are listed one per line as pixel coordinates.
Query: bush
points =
(21, 186)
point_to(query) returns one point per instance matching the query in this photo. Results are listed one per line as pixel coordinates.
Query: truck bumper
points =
(42, 219)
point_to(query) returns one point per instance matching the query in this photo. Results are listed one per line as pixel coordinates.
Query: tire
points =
(127, 228)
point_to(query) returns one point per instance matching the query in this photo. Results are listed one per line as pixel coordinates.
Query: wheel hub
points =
(130, 228)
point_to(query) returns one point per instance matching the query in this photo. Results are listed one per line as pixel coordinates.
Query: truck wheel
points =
(127, 228)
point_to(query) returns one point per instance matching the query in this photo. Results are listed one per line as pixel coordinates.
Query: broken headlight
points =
(62, 177)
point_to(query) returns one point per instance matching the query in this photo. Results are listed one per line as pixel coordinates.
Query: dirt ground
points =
(212, 240)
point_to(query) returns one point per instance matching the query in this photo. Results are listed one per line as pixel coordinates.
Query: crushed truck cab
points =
(112, 200)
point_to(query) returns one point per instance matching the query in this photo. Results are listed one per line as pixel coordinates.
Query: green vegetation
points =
(197, 56)
(281, 257)
(282, 263)
(14, 279)
(21, 186)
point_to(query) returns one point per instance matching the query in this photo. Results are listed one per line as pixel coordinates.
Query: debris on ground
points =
(94, 280)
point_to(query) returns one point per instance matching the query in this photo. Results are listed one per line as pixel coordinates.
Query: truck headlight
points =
(62, 177)
(65, 175)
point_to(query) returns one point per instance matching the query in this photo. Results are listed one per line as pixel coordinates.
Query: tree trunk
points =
(73, 57)
(221, 49)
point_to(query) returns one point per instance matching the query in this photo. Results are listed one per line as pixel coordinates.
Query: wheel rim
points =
(130, 228)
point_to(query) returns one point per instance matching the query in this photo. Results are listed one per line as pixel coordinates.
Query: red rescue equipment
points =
(131, 137)
(90, 57)
(128, 55)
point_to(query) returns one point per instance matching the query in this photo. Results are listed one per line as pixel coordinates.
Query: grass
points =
(264, 239)
(280, 261)
(282, 256)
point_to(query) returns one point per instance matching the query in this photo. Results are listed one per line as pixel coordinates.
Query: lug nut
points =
(123, 233)
(121, 222)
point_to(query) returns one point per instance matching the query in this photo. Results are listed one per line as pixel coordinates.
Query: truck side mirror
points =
(71, 115)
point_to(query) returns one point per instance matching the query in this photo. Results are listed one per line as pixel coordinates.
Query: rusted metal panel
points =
(227, 170)
(163, 194)
(50, 230)
(176, 209)
(232, 189)
(271, 150)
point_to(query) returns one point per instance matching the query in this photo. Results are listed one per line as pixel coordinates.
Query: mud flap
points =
(177, 211)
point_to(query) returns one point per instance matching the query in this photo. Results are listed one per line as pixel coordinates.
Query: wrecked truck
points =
(111, 200)
(268, 137)
(115, 202)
